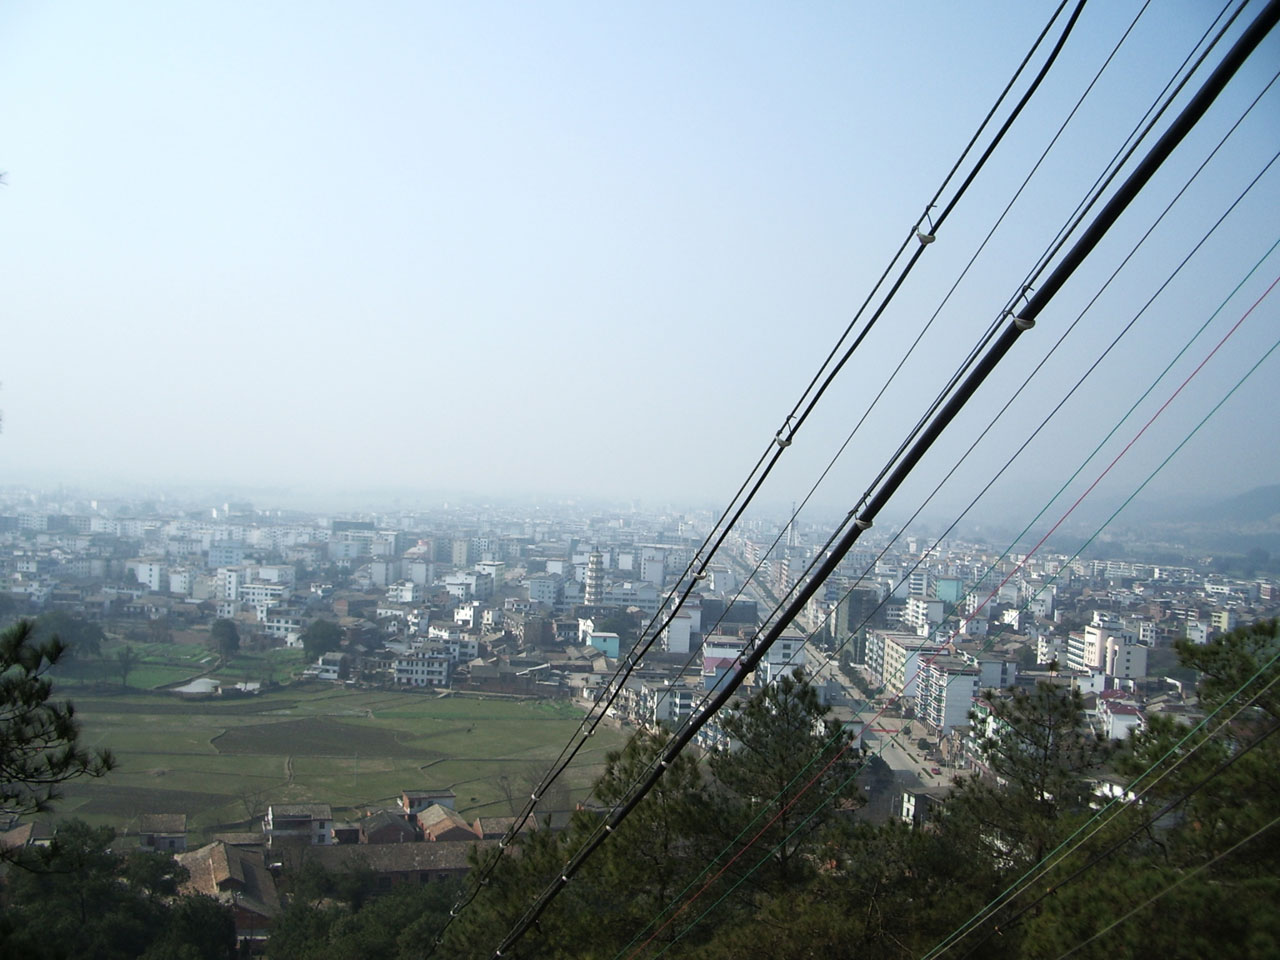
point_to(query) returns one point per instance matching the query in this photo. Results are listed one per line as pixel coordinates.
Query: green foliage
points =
(889, 891)
(660, 848)
(1041, 755)
(788, 777)
(79, 637)
(198, 928)
(399, 924)
(321, 637)
(39, 738)
(225, 638)
(79, 899)
(126, 658)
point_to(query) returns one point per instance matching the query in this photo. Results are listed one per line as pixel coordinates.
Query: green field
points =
(222, 760)
(163, 665)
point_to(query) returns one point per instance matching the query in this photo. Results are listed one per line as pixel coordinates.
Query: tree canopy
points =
(321, 637)
(40, 745)
(80, 899)
(225, 638)
(79, 637)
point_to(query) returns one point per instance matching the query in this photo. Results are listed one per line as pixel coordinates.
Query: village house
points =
(237, 876)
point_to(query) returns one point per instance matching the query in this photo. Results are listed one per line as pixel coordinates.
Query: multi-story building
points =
(151, 574)
(1126, 658)
(923, 614)
(423, 670)
(310, 823)
(653, 568)
(785, 655)
(404, 591)
(894, 660)
(945, 691)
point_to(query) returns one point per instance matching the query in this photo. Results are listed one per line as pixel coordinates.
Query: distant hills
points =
(1261, 505)
(1234, 525)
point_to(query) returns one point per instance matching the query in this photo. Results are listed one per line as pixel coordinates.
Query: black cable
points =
(1035, 84)
(1094, 194)
(1186, 259)
(1154, 159)
(1141, 828)
(786, 433)
(932, 203)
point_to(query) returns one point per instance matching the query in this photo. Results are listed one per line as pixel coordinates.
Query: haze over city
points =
(568, 251)
(701, 480)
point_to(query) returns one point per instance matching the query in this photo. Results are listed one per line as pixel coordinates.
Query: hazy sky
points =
(587, 248)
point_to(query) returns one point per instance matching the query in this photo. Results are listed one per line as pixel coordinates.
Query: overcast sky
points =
(591, 249)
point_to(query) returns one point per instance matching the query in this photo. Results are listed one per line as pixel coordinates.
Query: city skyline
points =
(591, 255)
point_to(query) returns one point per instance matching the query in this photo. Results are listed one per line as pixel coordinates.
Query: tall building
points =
(595, 579)
(653, 567)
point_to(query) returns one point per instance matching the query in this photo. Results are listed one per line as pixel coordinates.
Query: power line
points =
(1141, 828)
(965, 928)
(1182, 125)
(786, 433)
(1124, 330)
(1182, 879)
(1034, 549)
(1072, 326)
(936, 950)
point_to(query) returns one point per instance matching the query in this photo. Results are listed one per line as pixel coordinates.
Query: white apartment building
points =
(181, 580)
(1126, 658)
(496, 570)
(787, 653)
(630, 593)
(404, 591)
(945, 691)
(423, 670)
(676, 635)
(228, 581)
(894, 660)
(469, 585)
(923, 614)
(263, 596)
(282, 623)
(149, 573)
(653, 567)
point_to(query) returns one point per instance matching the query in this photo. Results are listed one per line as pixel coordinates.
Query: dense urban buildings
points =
(906, 644)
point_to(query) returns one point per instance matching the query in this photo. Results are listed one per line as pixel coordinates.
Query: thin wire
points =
(1142, 827)
(1108, 175)
(1113, 430)
(1147, 167)
(1182, 879)
(790, 427)
(1079, 382)
(965, 928)
(840, 787)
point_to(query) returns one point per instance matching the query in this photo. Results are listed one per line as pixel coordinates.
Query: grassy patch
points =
(316, 737)
(219, 757)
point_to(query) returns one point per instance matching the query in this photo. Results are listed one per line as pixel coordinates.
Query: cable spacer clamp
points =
(1024, 323)
(784, 441)
(862, 524)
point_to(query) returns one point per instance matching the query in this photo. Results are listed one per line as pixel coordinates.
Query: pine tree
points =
(789, 774)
